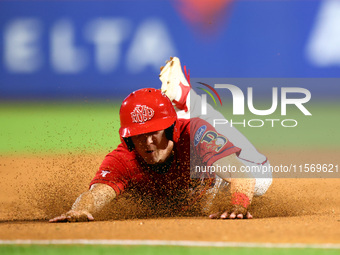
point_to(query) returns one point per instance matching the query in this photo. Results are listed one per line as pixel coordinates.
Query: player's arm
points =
(88, 203)
(241, 188)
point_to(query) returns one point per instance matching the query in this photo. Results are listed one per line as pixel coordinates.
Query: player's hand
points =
(237, 212)
(73, 216)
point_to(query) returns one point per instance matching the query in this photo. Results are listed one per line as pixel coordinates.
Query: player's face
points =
(154, 147)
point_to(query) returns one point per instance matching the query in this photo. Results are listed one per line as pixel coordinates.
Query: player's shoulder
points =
(193, 126)
(198, 122)
(183, 123)
(121, 153)
(120, 159)
(184, 127)
(193, 123)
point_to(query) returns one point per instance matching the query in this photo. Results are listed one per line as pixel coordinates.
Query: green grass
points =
(165, 250)
(59, 127)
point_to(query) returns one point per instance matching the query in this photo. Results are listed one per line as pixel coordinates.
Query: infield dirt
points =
(36, 188)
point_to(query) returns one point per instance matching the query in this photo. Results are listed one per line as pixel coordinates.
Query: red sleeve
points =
(114, 170)
(207, 144)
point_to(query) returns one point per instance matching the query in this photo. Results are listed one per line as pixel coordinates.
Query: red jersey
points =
(123, 169)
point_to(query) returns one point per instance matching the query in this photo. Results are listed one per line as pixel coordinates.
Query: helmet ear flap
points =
(128, 142)
(169, 132)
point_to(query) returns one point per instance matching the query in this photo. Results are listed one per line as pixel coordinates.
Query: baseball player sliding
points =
(188, 105)
(157, 148)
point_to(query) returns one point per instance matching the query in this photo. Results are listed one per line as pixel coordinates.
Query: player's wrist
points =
(240, 200)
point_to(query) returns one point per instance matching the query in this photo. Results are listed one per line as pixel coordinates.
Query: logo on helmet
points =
(142, 113)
